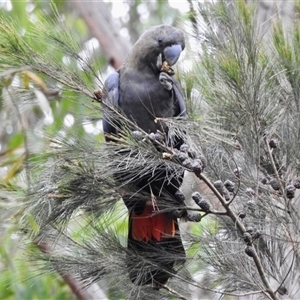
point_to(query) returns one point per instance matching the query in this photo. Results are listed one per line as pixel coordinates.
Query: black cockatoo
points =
(144, 89)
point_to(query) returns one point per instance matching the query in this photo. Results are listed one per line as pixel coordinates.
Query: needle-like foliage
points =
(82, 181)
(73, 202)
(241, 141)
(248, 82)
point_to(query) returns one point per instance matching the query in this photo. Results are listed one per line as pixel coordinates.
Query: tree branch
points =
(92, 292)
(99, 20)
(242, 229)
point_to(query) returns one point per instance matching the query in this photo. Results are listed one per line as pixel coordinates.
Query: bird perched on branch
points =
(144, 89)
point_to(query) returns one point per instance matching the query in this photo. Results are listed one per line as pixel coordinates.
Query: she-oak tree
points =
(243, 105)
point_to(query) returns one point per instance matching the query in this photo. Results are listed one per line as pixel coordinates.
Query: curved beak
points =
(172, 53)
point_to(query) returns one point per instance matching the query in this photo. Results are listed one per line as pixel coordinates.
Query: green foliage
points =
(19, 51)
(30, 50)
(20, 280)
(242, 94)
(234, 72)
(287, 47)
(249, 84)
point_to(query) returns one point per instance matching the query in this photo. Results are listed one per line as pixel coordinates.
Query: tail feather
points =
(156, 238)
(151, 225)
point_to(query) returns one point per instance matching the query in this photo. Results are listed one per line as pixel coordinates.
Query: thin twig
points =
(239, 182)
(274, 167)
(26, 148)
(173, 292)
(93, 292)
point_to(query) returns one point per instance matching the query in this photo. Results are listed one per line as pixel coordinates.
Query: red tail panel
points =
(151, 225)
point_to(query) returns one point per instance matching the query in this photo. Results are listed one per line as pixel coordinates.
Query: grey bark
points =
(102, 26)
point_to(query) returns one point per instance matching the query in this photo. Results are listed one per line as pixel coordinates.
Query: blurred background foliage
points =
(34, 108)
